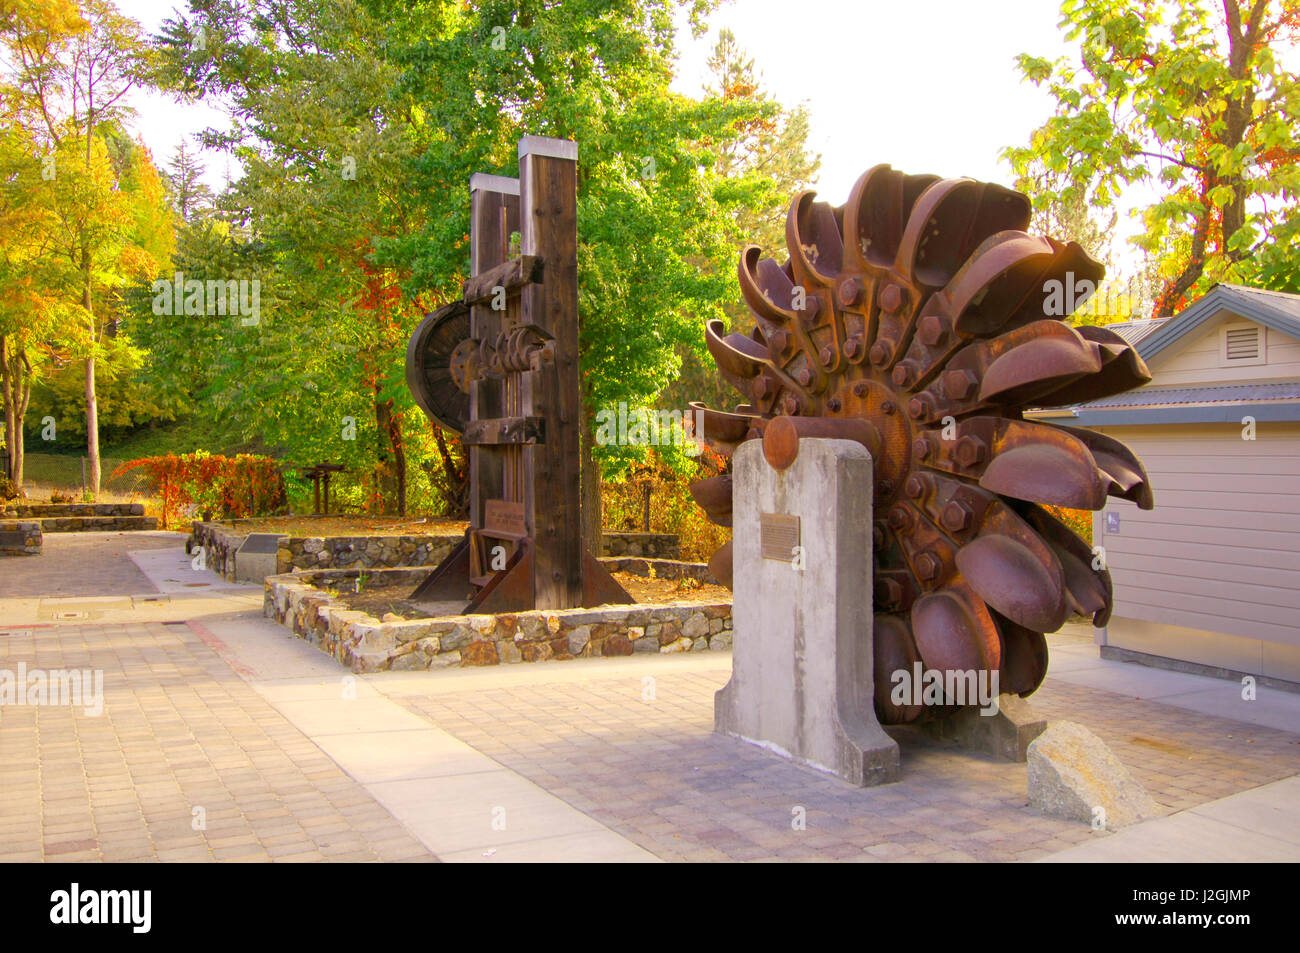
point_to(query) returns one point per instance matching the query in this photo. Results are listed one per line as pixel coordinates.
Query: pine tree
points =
(190, 196)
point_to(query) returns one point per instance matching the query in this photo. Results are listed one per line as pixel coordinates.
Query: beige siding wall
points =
(1197, 360)
(1220, 553)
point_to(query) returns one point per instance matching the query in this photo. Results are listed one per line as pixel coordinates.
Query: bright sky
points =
(925, 85)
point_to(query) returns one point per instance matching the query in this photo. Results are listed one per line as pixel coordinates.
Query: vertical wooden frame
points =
(550, 566)
(548, 202)
(494, 214)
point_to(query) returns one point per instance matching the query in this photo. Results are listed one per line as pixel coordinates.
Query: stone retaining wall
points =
(301, 602)
(82, 517)
(653, 545)
(219, 544)
(30, 543)
(660, 568)
(377, 552)
(72, 509)
(97, 524)
(328, 552)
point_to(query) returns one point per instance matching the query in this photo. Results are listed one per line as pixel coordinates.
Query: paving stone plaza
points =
(223, 737)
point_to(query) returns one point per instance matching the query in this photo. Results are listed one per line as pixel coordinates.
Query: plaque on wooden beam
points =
(504, 518)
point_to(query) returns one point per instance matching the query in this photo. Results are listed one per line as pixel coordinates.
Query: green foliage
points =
(191, 198)
(359, 125)
(1279, 261)
(1188, 99)
(93, 206)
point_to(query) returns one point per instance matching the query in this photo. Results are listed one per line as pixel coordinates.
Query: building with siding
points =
(1210, 579)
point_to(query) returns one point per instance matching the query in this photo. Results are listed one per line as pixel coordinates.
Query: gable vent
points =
(1242, 344)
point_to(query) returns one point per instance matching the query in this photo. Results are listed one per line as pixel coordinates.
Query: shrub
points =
(234, 487)
(672, 508)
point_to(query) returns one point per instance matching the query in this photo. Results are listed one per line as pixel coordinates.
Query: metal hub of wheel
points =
(920, 319)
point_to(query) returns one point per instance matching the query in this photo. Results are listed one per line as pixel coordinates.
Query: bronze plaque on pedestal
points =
(778, 535)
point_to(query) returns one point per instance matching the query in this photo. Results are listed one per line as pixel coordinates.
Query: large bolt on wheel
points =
(922, 307)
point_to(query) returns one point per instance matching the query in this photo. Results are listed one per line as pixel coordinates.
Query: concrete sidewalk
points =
(461, 804)
(1259, 825)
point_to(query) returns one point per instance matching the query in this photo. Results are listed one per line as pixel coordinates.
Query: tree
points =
(325, 154)
(69, 70)
(24, 307)
(768, 150)
(191, 197)
(1189, 99)
(769, 154)
(359, 126)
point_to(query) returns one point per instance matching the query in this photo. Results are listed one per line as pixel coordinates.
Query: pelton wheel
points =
(429, 371)
(922, 306)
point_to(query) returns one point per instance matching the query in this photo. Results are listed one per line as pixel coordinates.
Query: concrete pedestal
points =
(801, 683)
(1006, 735)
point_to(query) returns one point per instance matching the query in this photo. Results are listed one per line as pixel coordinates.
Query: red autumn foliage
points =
(232, 487)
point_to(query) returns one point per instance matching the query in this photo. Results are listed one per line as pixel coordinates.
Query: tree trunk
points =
(590, 491)
(16, 392)
(92, 408)
(92, 430)
(7, 395)
(1178, 286)
(455, 472)
(398, 442)
(392, 469)
(22, 396)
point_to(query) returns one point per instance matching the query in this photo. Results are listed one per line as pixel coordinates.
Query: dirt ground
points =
(378, 602)
(348, 526)
(643, 589)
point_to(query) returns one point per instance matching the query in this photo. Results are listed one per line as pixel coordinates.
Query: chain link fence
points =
(68, 473)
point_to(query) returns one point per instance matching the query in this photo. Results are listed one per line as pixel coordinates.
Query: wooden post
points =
(548, 226)
(494, 214)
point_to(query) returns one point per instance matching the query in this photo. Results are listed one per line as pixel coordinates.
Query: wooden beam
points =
(494, 214)
(504, 430)
(548, 225)
(599, 588)
(511, 275)
(511, 589)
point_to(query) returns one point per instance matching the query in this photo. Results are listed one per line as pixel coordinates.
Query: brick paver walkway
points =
(186, 728)
(654, 771)
(179, 731)
(82, 564)
(1183, 758)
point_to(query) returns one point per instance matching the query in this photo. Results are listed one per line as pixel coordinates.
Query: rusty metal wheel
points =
(923, 307)
(431, 373)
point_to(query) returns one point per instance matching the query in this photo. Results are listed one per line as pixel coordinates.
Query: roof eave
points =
(1220, 298)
